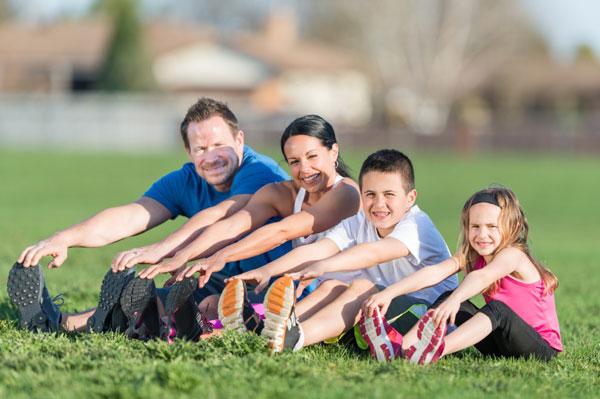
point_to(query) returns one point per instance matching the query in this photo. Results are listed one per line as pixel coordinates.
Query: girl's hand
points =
(150, 254)
(380, 300)
(257, 276)
(446, 312)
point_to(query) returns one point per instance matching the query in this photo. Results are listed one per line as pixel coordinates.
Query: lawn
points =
(44, 191)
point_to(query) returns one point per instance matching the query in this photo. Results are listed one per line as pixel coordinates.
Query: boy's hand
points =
(258, 277)
(446, 312)
(149, 254)
(380, 300)
(311, 272)
(32, 255)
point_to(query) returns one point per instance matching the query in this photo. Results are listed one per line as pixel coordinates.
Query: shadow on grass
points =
(7, 310)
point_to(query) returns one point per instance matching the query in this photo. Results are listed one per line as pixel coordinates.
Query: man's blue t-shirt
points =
(184, 192)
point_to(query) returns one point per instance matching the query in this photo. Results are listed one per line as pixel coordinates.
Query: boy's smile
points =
(384, 200)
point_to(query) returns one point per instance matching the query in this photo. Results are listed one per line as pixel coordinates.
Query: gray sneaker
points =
(110, 293)
(138, 302)
(27, 291)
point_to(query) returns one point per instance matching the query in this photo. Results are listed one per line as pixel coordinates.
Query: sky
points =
(564, 23)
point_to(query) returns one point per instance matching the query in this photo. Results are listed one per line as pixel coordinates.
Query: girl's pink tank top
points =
(529, 302)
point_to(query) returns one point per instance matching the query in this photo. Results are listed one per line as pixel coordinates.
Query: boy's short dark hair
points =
(390, 161)
(206, 108)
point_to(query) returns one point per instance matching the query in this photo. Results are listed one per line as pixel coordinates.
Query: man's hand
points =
(380, 300)
(53, 247)
(257, 277)
(206, 267)
(171, 265)
(149, 255)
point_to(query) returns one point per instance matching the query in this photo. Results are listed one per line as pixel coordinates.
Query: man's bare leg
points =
(76, 321)
(339, 315)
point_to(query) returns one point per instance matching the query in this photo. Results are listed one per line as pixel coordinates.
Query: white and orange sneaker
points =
(235, 311)
(281, 328)
(385, 343)
(430, 346)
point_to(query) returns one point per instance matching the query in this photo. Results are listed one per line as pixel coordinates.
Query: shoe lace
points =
(58, 300)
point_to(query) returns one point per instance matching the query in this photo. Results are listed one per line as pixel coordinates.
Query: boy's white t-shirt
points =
(417, 232)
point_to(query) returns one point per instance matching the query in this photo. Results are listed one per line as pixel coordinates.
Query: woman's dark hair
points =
(319, 128)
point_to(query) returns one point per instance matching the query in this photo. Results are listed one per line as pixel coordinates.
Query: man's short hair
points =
(204, 109)
(390, 161)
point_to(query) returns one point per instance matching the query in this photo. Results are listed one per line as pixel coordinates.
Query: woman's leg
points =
(76, 321)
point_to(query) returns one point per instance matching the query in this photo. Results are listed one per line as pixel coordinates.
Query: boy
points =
(387, 240)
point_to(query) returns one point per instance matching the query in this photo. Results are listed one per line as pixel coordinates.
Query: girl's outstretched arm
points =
(475, 282)
(426, 277)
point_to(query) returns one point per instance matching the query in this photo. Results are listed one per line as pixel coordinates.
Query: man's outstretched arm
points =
(188, 232)
(105, 227)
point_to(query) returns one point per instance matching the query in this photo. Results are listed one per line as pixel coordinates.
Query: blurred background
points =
(463, 75)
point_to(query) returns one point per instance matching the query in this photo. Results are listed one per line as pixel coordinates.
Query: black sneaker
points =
(27, 290)
(235, 311)
(110, 293)
(190, 323)
(177, 295)
(282, 329)
(138, 303)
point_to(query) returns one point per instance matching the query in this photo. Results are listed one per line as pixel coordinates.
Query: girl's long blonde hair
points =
(514, 229)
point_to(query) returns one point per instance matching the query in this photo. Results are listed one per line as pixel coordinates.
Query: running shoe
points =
(27, 291)
(281, 327)
(430, 345)
(138, 303)
(235, 311)
(177, 295)
(385, 343)
(110, 293)
(190, 322)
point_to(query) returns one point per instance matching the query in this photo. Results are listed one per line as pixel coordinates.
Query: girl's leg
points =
(325, 293)
(468, 334)
(339, 315)
(208, 307)
(513, 336)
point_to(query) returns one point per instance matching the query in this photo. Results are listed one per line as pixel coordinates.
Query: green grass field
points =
(44, 191)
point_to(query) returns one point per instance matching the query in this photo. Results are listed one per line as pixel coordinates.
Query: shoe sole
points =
(231, 305)
(136, 297)
(176, 297)
(25, 285)
(430, 345)
(374, 331)
(279, 302)
(110, 293)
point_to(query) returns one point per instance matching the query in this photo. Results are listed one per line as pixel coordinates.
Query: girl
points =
(519, 318)
(319, 196)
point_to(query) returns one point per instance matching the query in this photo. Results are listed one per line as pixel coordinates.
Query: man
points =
(219, 180)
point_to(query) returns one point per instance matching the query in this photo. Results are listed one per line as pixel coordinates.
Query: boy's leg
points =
(339, 315)
(325, 293)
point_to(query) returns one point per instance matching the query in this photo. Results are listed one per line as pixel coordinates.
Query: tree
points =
(126, 65)
(425, 53)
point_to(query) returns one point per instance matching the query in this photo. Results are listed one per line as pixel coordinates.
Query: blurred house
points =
(273, 69)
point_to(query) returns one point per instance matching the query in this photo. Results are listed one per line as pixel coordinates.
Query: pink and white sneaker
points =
(430, 345)
(385, 343)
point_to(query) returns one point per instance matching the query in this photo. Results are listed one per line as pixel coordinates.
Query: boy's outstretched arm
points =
(426, 277)
(294, 260)
(360, 256)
